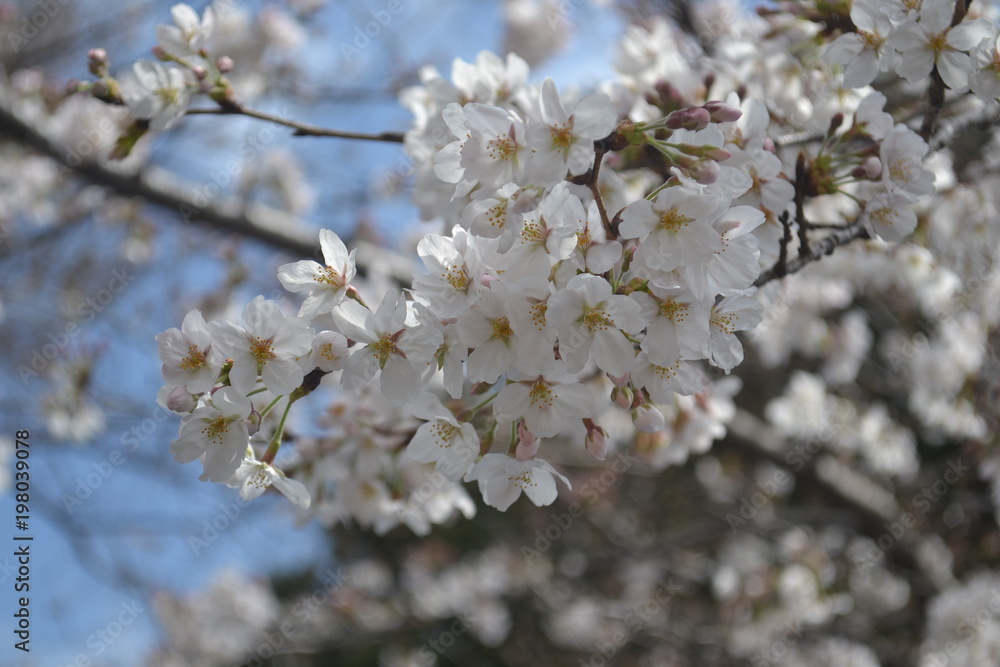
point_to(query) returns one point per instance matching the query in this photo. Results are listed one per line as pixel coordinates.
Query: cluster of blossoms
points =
(558, 285)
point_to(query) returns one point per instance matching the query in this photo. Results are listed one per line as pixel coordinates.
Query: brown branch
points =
(935, 92)
(596, 191)
(301, 129)
(824, 246)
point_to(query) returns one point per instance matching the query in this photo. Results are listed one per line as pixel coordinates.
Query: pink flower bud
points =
(527, 443)
(160, 54)
(705, 171)
(722, 112)
(225, 64)
(199, 72)
(181, 400)
(622, 396)
(98, 56)
(873, 167)
(692, 118)
(648, 419)
(597, 443)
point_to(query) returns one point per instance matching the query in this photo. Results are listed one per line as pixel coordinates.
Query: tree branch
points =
(824, 246)
(301, 129)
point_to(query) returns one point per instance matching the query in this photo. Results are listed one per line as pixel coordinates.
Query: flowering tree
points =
(570, 333)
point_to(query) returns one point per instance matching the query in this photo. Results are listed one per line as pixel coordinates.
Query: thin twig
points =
(301, 129)
(824, 246)
(596, 191)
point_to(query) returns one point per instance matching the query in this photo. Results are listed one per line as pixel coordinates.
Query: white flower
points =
(486, 329)
(385, 343)
(160, 94)
(546, 401)
(329, 352)
(662, 381)
(985, 83)
(677, 324)
(325, 285)
(731, 314)
(674, 230)
(189, 358)
(189, 35)
(452, 445)
(864, 52)
(253, 477)
(902, 153)
(218, 432)
(493, 143)
(268, 347)
(455, 273)
(548, 234)
(932, 41)
(502, 479)
(889, 216)
(564, 141)
(590, 321)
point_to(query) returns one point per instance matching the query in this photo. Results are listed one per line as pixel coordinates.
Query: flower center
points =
(597, 320)
(501, 329)
(537, 312)
(194, 360)
(725, 323)
(262, 349)
(329, 276)
(457, 276)
(676, 311)
(672, 221)
(444, 433)
(215, 429)
(542, 395)
(501, 148)
(382, 348)
(562, 136)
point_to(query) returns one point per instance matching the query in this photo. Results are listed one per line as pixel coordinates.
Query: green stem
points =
(275, 444)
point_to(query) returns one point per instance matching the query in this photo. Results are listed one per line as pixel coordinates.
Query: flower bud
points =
(622, 397)
(199, 72)
(597, 442)
(705, 171)
(160, 54)
(225, 64)
(253, 422)
(722, 112)
(692, 118)
(180, 400)
(527, 443)
(873, 167)
(648, 419)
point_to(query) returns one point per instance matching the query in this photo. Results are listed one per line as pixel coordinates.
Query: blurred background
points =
(739, 556)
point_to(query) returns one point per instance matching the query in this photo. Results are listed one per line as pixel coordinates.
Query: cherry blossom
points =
(326, 285)
(502, 479)
(217, 432)
(267, 346)
(189, 358)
